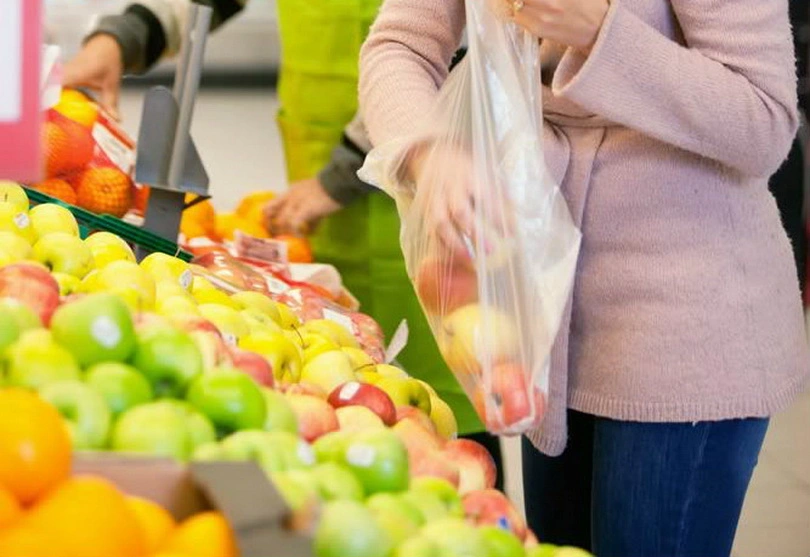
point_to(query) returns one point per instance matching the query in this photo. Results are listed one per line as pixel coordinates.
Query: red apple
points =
(415, 414)
(434, 464)
(513, 401)
(418, 440)
(491, 507)
(304, 388)
(375, 399)
(446, 283)
(476, 466)
(254, 365)
(32, 285)
(315, 416)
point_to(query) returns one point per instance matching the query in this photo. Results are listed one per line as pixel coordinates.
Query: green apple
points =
(23, 315)
(418, 547)
(14, 193)
(36, 360)
(406, 392)
(501, 543)
(85, 411)
(280, 416)
(443, 490)
(335, 481)
(121, 385)
(96, 328)
(165, 267)
(360, 359)
(296, 487)
(542, 550)
(256, 300)
(397, 517)
(474, 334)
(68, 284)
(348, 529)
(49, 218)
(284, 356)
(209, 452)
(455, 538)
(63, 253)
(232, 400)
(15, 246)
(16, 222)
(330, 329)
(107, 248)
(165, 428)
(328, 370)
(168, 358)
(429, 505)
(229, 321)
(570, 551)
(332, 446)
(379, 459)
(9, 330)
(127, 280)
(274, 451)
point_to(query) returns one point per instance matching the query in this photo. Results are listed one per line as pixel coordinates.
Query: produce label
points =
(120, 154)
(344, 320)
(21, 220)
(349, 390)
(361, 455)
(106, 332)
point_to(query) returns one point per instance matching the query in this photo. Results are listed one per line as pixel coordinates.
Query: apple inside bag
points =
(487, 236)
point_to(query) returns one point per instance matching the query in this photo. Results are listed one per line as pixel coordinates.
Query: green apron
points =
(320, 44)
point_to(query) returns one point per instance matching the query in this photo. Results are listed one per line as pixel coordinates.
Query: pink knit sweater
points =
(686, 305)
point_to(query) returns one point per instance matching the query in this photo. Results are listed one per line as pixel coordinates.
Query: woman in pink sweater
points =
(663, 121)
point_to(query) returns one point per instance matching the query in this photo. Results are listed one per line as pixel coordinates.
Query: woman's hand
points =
(98, 66)
(574, 23)
(300, 208)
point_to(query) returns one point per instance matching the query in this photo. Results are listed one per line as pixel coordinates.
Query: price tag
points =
(398, 342)
(276, 286)
(340, 319)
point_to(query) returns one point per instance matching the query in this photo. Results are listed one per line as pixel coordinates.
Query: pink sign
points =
(20, 69)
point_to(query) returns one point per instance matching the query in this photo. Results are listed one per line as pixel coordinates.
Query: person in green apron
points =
(324, 145)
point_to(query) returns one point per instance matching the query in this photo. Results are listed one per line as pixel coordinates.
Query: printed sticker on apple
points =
(361, 455)
(21, 220)
(349, 390)
(106, 331)
(186, 279)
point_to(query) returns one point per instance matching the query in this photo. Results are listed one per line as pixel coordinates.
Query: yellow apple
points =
(15, 246)
(386, 370)
(257, 300)
(5, 258)
(315, 344)
(68, 284)
(287, 318)
(201, 283)
(107, 247)
(165, 267)
(368, 376)
(257, 320)
(283, 355)
(442, 415)
(128, 280)
(335, 331)
(229, 321)
(295, 337)
(328, 370)
(474, 335)
(15, 221)
(176, 305)
(12, 192)
(360, 359)
(49, 217)
(64, 253)
(214, 296)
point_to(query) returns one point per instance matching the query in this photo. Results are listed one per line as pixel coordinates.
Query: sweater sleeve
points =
(729, 94)
(151, 29)
(404, 62)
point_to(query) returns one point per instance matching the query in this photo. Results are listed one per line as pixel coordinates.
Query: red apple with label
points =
(32, 285)
(490, 506)
(510, 400)
(445, 283)
(475, 464)
(360, 394)
(315, 416)
(253, 365)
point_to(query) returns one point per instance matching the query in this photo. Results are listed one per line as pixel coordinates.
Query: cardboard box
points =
(240, 490)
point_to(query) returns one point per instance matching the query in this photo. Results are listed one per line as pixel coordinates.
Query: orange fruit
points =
(58, 188)
(206, 534)
(81, 112)
(156, 522)
(140, 198)
(84, 517)
(199, 219)
(35, 445)
(253, 201)
(22, 540)
(68, 147)
(73, 96)
(104, 190)
(10, 509)
(298, 248)
(228, 223)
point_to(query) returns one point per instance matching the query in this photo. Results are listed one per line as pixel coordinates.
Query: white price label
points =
(361, 455)
(106, 332)
(21, 220)
(306, 453)
(11, 26)
(186, 278)
(349, 390)
(120, 155)
(230, 339)
(339, 318)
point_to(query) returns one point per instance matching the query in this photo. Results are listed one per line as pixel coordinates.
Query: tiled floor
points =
(236, 135)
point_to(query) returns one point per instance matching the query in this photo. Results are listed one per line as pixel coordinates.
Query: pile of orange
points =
(70, 160)
(44, 512)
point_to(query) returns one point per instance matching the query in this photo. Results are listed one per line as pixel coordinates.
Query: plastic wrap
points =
(487, 236)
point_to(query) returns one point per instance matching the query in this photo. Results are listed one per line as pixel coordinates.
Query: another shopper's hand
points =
(300, 208)
(566, 22)
(99, 67)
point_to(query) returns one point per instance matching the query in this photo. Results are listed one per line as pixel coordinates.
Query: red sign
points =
(20, 70)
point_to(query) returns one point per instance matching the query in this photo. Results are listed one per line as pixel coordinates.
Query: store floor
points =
(236, 135)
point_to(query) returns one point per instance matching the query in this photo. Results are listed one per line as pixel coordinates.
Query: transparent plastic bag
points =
(487, 236)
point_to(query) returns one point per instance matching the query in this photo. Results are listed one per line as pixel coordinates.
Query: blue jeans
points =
(630, 489)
